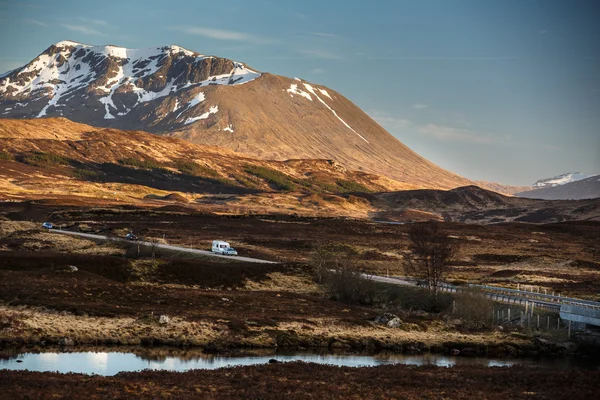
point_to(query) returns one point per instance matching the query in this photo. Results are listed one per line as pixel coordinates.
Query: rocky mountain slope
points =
(585, 188)
(210, 100)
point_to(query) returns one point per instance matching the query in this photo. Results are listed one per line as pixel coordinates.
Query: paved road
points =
(167, 247)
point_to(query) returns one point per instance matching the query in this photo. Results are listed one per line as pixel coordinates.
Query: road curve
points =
(167, 247)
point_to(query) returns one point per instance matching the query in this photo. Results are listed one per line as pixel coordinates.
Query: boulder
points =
(65, 341)
(389, 320)
(163, 320)
(394, 323)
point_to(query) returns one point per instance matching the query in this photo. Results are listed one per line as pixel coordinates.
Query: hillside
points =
(210, 100)
(54, 158)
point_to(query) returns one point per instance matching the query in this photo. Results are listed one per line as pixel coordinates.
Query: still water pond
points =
(112, 362)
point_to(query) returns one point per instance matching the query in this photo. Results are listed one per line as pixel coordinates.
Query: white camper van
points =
(221, 247)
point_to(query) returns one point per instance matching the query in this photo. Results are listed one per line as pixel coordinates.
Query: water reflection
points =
(112, 362)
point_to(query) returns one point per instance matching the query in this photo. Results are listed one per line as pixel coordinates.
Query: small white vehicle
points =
(47, 225)
(221, 247)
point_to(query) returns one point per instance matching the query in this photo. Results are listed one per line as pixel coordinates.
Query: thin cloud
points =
(389, 121)
(449, 134)
(324, 35)
(35, 22)
(83, 29)
(543, 32)
(440, 132)
(100, 22)
(318, 71)
(318, 53)
(441, 58)
(420, 106)
(221, 34)
(552, 147)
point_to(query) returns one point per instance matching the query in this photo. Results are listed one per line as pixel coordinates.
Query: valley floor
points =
(119, 292)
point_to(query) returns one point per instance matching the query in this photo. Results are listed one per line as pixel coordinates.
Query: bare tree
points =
(431, 250)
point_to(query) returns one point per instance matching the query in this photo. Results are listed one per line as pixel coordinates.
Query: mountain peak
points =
(109, 82)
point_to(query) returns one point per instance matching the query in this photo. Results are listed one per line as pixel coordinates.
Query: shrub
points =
(246, 182)
(41, 159)
(193, 168)
(144, 164)
(347, 284)
(6, 156)
(474, 308)
(413, 298)
(275, 178)
(334, 266)
(351, 186)
(85, 174)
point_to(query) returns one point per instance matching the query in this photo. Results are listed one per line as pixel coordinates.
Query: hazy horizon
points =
(505, 92)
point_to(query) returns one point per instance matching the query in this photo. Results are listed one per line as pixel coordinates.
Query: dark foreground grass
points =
(311, 381)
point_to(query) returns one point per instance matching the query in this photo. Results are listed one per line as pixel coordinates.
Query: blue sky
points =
(505, 91)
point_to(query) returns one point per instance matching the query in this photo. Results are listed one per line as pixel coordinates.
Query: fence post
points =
(569, 335)
(508, 314)
(538, 321)
(558, 323)
(453, 306)
(548, 323)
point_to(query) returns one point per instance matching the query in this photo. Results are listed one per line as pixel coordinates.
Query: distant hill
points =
(562, 179)
(472, 204)
(585, 188)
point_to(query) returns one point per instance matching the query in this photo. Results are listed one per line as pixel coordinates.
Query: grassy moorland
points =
(117, 295)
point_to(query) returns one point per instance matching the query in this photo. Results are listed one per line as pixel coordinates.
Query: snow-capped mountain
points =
(586, 188)
(109, 82)
(210, 100)
(561, 180)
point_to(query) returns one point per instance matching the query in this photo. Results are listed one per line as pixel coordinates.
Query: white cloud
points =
(221, 34)
(420, 106)
(543, 32)
(93, 21)
(35, 22)
(82, 29)
(319, 53)
(449, 134)
(318, 71)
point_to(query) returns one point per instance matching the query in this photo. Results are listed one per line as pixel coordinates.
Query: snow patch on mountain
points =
(212, 110)
(312, 90)
(561, 179)
(294, 90)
